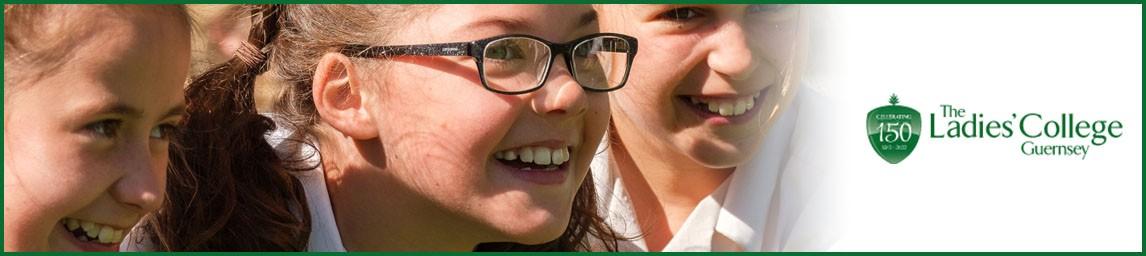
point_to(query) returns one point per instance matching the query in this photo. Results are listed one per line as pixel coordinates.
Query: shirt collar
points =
(324, 234)
(751, 193)
(741, 205)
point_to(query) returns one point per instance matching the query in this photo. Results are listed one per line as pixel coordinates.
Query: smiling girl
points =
(701, 138)
(448, 127)
(92, 94)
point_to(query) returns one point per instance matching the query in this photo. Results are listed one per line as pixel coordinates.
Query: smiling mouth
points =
(726, 107)
(87, 231)
(536, 158)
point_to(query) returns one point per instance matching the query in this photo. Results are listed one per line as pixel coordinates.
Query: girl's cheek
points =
(599, 109)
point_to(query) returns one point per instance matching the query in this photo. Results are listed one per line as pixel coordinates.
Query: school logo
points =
(893, 130)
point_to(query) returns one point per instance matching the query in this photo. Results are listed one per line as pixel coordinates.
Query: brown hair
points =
(229, 191)
(40, 38)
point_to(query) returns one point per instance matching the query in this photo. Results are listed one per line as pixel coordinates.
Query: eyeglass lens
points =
(516, 64)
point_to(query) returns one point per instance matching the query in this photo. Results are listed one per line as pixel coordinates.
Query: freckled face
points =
(447, 137)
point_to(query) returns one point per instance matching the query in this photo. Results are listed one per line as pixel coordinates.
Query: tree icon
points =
(893, 130)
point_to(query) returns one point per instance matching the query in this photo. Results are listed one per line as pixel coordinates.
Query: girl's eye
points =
(504, 52)
(681, 14)
(105, 128)
(163, 132)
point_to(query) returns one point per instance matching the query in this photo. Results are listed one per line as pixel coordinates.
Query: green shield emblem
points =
(893, 130)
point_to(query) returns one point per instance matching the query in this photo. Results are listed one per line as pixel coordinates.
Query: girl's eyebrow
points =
(586, 19)
(508, 23)
(117, 108)
(174, 111)
(120, 109)
(524, 25)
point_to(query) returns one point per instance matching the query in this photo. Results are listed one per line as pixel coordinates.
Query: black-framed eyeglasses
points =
(516, 64)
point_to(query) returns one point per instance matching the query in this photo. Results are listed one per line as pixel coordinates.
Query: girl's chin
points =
(539, 235)
(537, 230)
(719, 155)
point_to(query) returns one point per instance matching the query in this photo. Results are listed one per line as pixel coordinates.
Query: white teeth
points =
(726, 107)
(536, 155)
(91, 228)
(118, 237)
(72, 224)
(542, 156)
(105, 234)
(741, 106)
(527, 155)
(94, 232)
(559, 156)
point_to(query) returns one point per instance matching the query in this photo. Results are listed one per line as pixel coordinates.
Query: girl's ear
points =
(337, 96)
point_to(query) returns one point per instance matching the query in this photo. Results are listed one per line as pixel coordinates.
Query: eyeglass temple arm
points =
(443, 49)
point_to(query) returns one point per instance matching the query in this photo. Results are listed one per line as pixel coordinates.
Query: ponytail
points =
(227, 189)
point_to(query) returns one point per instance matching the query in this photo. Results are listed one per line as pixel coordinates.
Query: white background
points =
(984, 194)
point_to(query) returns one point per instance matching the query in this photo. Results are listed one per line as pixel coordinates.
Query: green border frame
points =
(1139, 2)
(577, 2)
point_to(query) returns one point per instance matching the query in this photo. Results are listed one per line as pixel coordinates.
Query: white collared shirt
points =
(774, 202)
(324, 234)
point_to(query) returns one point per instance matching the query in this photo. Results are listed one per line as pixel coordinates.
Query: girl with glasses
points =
(447, 127)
